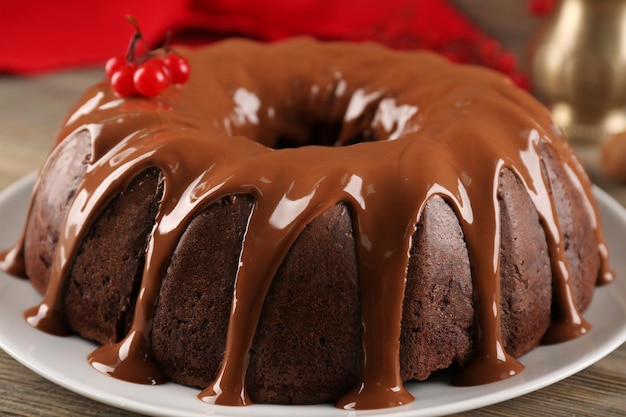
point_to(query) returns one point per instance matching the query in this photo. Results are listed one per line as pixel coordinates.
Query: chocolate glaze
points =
(12, 261)
(416, 127)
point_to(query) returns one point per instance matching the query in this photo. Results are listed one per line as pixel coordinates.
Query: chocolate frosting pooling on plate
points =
(302, 126)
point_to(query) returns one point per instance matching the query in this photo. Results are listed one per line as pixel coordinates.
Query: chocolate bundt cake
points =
(307, 222)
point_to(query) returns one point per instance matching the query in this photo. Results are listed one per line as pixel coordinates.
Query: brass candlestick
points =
(578, 65)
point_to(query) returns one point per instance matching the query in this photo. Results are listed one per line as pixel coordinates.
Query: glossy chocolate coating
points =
(385, 132)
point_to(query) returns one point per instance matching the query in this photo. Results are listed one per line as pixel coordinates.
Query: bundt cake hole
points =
(326, 124)
(326, 134)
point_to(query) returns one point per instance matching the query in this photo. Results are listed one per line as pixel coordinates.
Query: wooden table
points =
(30, 111)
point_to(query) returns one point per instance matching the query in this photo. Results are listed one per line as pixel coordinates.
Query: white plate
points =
(63, 360)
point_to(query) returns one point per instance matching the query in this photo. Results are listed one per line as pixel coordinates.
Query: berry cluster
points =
(149, 75)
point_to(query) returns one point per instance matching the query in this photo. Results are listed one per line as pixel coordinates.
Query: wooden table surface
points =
(30, 111)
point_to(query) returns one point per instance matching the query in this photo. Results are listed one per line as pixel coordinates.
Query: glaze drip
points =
(406, 127)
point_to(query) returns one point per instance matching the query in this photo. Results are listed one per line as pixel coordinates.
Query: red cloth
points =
(42, 35)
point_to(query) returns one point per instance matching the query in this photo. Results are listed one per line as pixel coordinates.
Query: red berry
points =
(488, 49)
(178, 68)
(113, 65)
(540, 7)
(159, 62)
(151, 78)
(506, 62)
(122, 81)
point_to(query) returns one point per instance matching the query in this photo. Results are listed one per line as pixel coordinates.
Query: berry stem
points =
(130, 54)
(166, 42)
(138, 33)
(137, 36)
